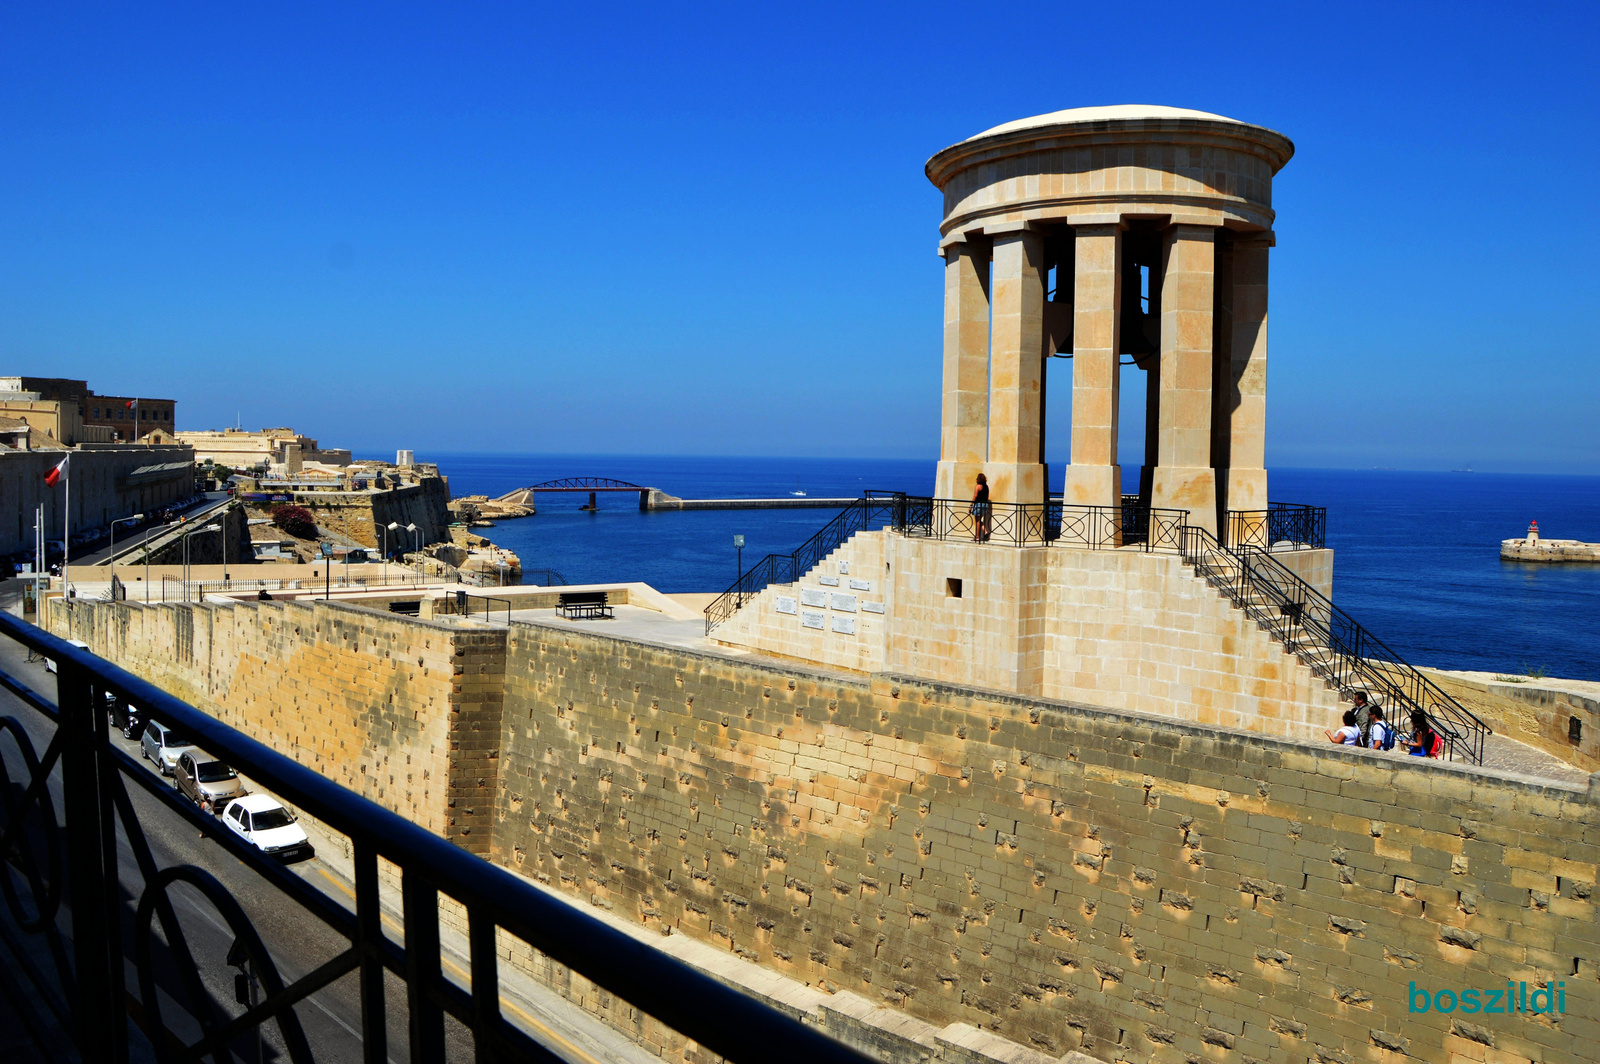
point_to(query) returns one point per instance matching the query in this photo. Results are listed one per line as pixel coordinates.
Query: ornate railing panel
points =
(61, 866)
(1280, 524)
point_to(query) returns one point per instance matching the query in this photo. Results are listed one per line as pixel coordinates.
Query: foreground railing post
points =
(485, 983)
(369, 936)
(420, 900)
(97, 1005)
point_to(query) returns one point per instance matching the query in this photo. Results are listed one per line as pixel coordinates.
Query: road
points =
(132, 539)
(297, 942)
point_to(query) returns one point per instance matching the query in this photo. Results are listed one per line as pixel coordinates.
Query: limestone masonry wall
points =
(404, 712)
(1122, 629)
(1534, 711)
(1137, 887)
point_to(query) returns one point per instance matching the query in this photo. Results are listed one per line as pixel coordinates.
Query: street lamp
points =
(738, 545)
(111, 558)
(186, 535)
(386, 528)
(416, 539)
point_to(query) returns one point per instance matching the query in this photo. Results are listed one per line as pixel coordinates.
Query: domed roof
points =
(1116, 112)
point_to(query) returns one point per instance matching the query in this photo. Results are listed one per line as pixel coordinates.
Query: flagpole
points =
(66, 535)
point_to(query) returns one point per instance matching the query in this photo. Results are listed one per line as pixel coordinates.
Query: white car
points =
(264, 823)
(50, 663)
(161, 745)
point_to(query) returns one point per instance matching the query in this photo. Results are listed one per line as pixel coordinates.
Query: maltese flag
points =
(58, 472)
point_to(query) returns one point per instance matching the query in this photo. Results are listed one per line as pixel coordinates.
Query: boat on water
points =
(797, 490)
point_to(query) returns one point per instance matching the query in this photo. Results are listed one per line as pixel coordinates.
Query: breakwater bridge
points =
(656, 499)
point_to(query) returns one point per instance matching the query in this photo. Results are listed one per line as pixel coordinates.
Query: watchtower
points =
(1093, 234)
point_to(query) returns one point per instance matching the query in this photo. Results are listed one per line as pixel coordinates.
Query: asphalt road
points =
(297, 941)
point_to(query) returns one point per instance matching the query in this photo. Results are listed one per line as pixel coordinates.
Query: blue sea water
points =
(1416, 553)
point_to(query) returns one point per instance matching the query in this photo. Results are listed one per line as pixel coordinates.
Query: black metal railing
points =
(79, 909)
(873, 509)
(483, 606)
(1280, 524)
(1330, 642)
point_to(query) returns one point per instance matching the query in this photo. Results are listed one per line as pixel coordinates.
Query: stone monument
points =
(1095, 233)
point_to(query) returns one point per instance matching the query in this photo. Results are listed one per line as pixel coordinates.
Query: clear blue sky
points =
(636, 229)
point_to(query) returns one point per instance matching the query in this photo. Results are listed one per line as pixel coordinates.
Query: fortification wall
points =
(1538, 712)
(404, 712)
(1136, 887)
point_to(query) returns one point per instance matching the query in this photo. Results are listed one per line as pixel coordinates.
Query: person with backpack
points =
(1380, 734)
(1349, 735)
(1424, 742)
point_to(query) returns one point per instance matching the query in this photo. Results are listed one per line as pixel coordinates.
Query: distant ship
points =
(797, 490)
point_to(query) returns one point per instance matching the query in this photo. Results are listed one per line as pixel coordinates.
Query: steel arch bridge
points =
(591, 485)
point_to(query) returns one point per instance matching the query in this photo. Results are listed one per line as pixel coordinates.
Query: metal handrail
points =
(1296, 524)
(1331, 642)
(97, 808)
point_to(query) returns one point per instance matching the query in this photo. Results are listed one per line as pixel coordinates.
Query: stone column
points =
(1184, 479)
(1015, 469)
(963, 438)
(1247, 405)
(1094, 478)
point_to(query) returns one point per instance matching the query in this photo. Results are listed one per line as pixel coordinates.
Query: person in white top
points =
(1349, 735)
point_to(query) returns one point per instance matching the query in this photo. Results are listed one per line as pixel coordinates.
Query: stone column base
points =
(1014, 482)
(1092, 485)
(1187, 488)
(1247, 489)
(956, 480)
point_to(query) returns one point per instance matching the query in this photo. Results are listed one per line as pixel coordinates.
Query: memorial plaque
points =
(844, 567)
(844, 625)
(872, 607)
(812, 596)
(847, 603)
(861, 585)
(812, 619)
(829, 581)
(786, 604)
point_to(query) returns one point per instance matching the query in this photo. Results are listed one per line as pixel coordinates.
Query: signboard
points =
(812, 619)
(811, 596)
(861, 585)
(847, 603)
(872, 607)
(844, 625)
(785, 604)
(828, 581)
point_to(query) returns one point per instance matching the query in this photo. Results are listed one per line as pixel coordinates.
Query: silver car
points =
(162, 744)
(205, 781)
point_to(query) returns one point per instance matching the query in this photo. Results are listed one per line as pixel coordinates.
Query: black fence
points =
(1331, 642)
(1280, 524)
(86, 898)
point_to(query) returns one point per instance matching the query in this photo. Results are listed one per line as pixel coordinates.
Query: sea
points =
(1416, 554)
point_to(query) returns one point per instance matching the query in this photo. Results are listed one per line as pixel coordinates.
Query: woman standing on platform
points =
(980, 510)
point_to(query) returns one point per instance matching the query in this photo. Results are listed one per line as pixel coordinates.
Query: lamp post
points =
(111, 558)
(416, 537)
(186, 535)
(738, 570)
(146, 547)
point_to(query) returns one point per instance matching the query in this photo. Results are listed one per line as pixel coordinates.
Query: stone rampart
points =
(1535, 711)
(402, 711)
(1139, 888)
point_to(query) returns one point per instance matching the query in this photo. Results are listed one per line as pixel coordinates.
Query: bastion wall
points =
(1137, 887)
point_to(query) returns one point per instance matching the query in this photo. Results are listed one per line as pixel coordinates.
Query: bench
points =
(584, 604)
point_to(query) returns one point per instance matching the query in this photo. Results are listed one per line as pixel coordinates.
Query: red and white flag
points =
(58, 472)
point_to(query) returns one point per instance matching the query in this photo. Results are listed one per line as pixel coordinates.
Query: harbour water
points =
(1416, 553)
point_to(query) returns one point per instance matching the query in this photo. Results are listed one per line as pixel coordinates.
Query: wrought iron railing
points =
(873, 509)
(79, 909)
(1281, 523)
(470, 605)
(1331, 642)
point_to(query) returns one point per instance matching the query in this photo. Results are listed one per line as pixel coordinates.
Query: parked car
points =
(205, 781)
(127, 719)
(265, 824)
(162, 744)
(50, 663)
